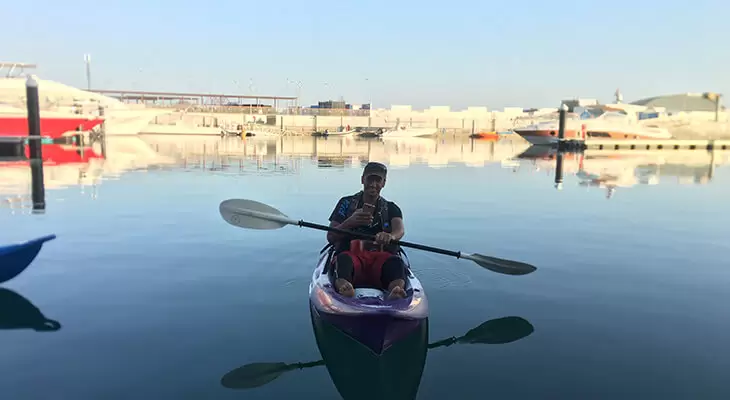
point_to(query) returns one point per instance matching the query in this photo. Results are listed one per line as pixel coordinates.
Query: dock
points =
(653, 144)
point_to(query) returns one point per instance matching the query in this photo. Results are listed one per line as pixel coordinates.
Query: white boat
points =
(335, 133)
(609, 125)
(403, 131)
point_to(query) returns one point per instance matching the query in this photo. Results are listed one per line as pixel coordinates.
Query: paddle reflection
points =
(358, 373)
(17, 312)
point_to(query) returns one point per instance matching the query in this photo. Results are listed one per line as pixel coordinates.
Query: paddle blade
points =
(500, 265)
(499, 331)
(253, 215)
(253, 375)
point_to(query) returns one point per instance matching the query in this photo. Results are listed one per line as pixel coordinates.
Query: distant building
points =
(333, 104)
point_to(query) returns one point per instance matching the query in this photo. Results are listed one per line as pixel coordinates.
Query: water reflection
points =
(17, 312)
(343, 152)
(608, 169)
(612, 169)
(358, 373)
(70, 166)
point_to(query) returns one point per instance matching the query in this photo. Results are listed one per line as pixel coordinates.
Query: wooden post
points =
(81, 143)
(102, 131)
(559, 171)
(717, 108)
(38, 189)
(561, 126)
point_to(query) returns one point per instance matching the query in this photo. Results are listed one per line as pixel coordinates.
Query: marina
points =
(691, 116)
(472, 201)
(132, 185)
(146, 218)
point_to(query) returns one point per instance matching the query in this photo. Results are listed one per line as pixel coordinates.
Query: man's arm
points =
(337, 220)
(397, 228)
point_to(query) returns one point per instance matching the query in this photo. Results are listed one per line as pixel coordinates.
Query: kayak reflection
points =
(358, 373)
(16, 312)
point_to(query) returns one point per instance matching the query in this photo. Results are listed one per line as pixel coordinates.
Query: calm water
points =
(158, 297)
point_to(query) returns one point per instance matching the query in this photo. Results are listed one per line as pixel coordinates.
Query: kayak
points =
(15, 258)
(358, 373)
(368, 317)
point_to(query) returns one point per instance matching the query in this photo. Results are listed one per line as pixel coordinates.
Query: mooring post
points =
(81, 142)
(38, 190)
(717, 108)
(473, 127)
(561, 126)
(559, 171)
(102, 132)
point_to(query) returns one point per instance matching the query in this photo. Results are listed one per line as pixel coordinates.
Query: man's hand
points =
(383, 238)
(359, 218)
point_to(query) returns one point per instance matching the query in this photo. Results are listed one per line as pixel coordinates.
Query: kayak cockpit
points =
(367, 300)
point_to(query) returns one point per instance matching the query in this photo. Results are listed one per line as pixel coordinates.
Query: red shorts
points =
(368, 265)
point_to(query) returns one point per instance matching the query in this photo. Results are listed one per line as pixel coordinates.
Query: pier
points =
(657, 145)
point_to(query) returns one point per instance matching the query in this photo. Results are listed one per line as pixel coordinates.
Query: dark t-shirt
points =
(339, 215)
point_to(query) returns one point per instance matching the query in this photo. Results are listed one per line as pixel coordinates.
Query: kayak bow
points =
(15, 258)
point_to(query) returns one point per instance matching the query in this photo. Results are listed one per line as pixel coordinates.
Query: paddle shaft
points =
(365, 236)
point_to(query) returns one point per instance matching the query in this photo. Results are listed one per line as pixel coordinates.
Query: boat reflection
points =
(610, 169)
(358, 373)
(16, 312)
(66, 166)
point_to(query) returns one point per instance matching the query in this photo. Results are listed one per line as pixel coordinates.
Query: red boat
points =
(53, 127)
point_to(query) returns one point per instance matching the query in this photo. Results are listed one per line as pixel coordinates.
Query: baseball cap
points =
(375, 168)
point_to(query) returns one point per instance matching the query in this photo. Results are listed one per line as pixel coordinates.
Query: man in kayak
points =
(363, 262)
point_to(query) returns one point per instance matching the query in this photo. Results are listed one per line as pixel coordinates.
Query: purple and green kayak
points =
(368, 317)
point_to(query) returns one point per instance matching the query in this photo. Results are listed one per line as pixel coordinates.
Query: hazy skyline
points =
(463, 53)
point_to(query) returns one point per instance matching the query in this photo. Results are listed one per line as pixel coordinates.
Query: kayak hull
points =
(358, 373)
(15, 258)
(368, 318)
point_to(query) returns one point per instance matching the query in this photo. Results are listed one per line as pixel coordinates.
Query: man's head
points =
(373, 178)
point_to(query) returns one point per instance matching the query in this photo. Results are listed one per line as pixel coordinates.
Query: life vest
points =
(352, 203)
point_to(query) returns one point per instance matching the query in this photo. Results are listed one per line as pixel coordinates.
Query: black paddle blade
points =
(253, 375)
(499, 331)
(501, 265)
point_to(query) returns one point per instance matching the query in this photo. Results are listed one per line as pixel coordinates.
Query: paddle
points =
(254, 375)
(254, 215)
(495, 331)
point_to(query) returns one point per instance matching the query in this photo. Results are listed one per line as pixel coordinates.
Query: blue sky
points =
(456, 53)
